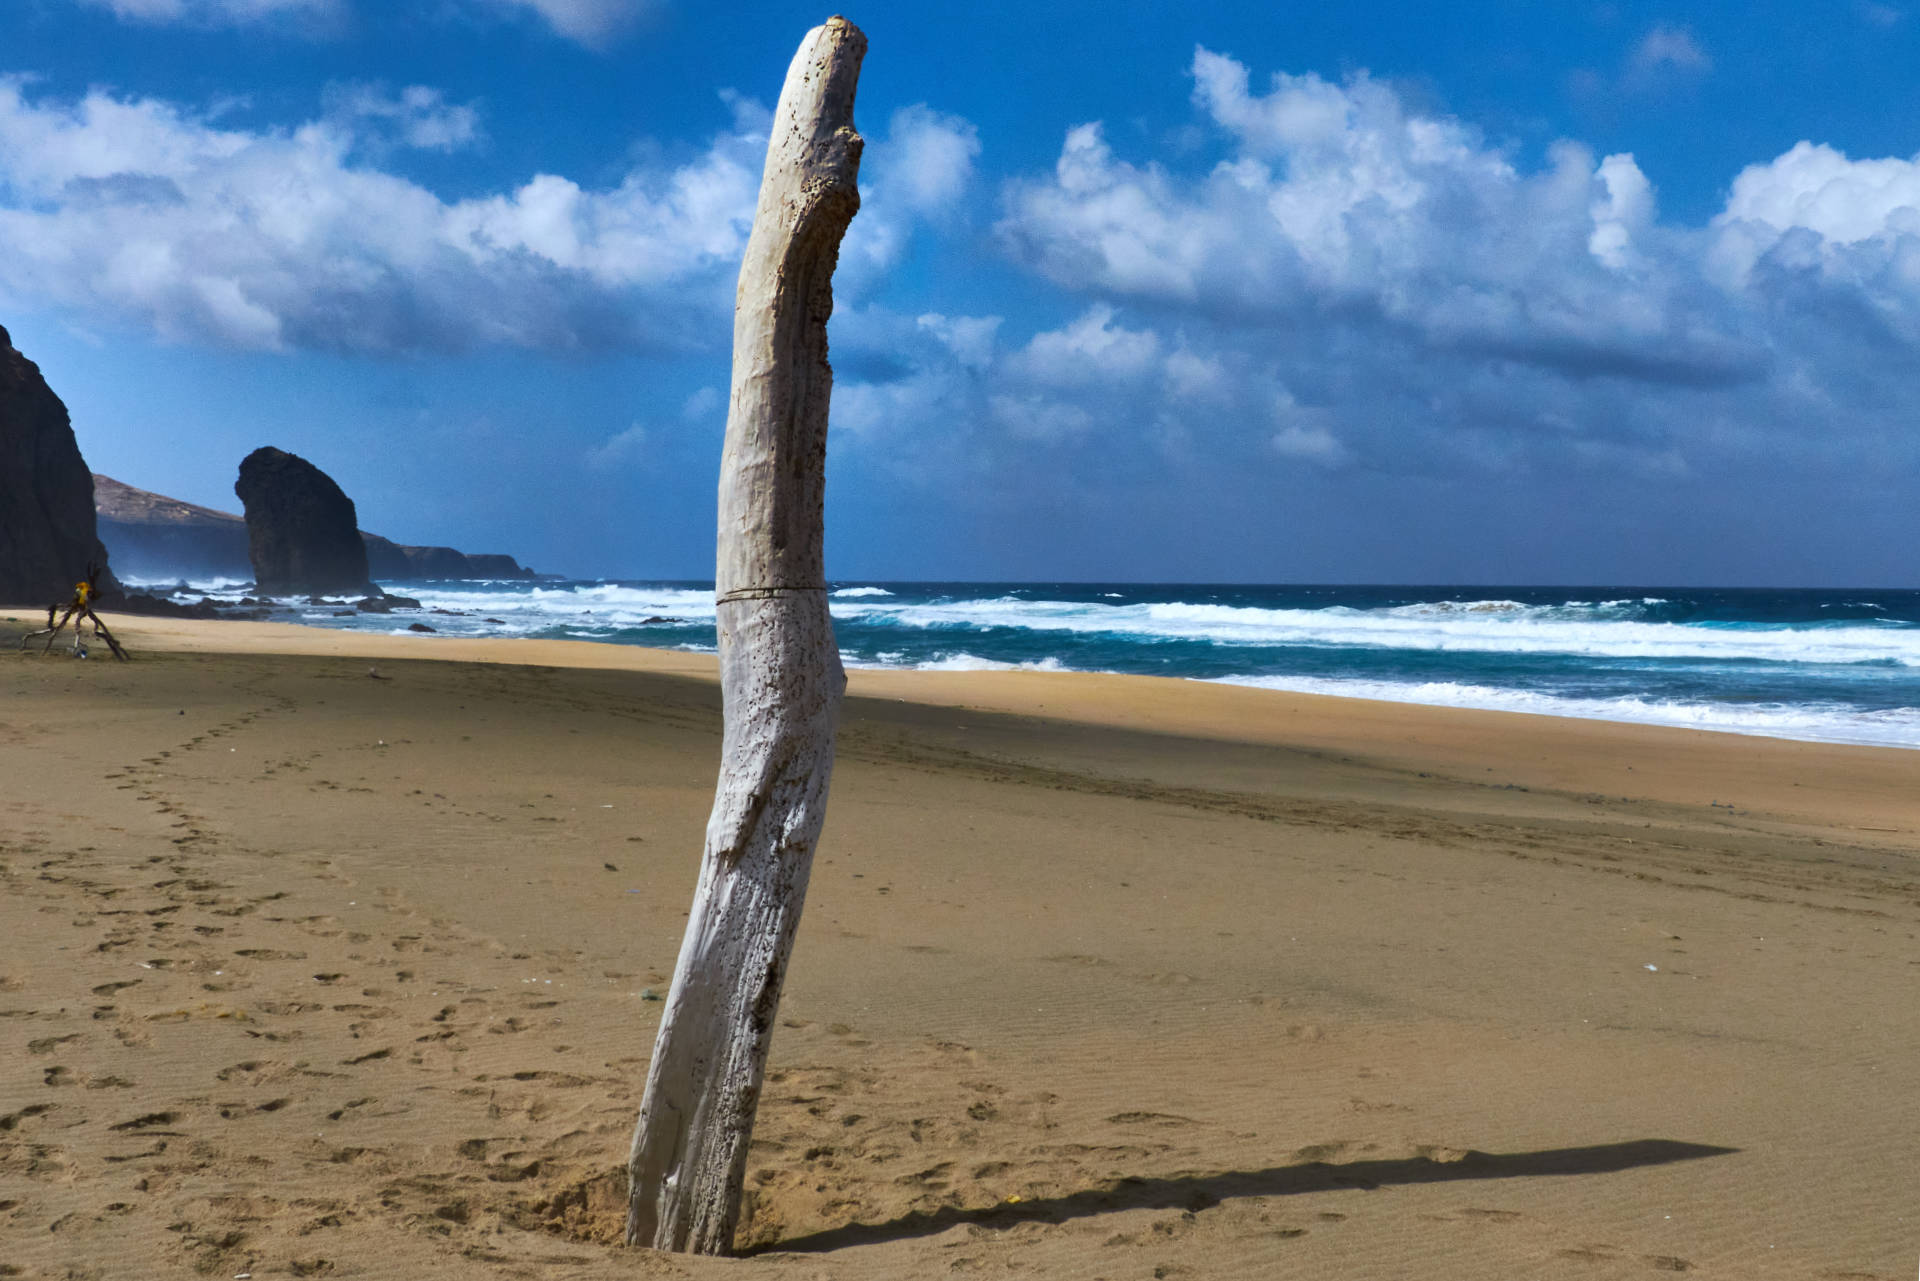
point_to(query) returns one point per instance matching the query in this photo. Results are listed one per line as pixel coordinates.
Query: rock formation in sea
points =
(155, 538)
(47, 532)
(303, 535)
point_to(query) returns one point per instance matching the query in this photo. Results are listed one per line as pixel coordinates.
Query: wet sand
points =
(309, 973)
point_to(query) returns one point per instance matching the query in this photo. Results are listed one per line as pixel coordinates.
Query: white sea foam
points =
(1613, 629)
(205, 586)
(1491, 627)
(964, 662)
(597, 605)
(1815, 722)
(1605, 629)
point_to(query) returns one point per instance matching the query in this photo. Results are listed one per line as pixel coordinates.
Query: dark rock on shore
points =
(385, 604)
(160, 607)
(303, 535)
(48, 536)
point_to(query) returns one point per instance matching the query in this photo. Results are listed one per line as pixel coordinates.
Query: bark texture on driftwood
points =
(780, 673)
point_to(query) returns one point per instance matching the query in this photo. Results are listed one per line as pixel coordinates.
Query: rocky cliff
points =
(303, 536)
(47, 532)
(391, 560)
(154, 537)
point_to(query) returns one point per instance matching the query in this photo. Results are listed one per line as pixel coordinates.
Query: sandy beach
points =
(311, 973)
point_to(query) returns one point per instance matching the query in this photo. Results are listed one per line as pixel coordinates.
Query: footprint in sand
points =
(252, 1070)
(1151, 1118)
(12, 1121)
(1081, 959)
(1591, 1254)
(1315, 1152)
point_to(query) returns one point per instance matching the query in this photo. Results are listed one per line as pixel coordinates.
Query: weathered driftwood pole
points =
(779, 672)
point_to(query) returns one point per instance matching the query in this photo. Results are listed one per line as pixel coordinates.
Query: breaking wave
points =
(1816, 722)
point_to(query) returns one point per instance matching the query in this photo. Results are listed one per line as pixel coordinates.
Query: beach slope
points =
(335, 954)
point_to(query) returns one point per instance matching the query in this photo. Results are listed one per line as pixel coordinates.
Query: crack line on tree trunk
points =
(765, 593)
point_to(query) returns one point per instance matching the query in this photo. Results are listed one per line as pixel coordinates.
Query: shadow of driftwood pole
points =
(1199, 1191)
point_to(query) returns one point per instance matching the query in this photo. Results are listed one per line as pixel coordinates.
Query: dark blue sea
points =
(1839, 666)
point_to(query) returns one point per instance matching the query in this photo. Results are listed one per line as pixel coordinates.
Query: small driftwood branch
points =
(81, 605)
(780, 673)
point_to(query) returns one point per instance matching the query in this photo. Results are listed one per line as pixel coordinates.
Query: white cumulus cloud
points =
(917, 171)
(1823, 240)
(1819, 189)
(1339, 197)
(1090, 352)
(278, 238)
(143, 210)
(1337, 284)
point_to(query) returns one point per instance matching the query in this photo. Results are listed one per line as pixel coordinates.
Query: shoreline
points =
(1812, 723)
(1819, 667)
(313, 974)
(1592, 752)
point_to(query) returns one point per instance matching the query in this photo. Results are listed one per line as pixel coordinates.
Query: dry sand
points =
(306, 973)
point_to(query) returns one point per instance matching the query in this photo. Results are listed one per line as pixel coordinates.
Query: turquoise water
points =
(1828, 665)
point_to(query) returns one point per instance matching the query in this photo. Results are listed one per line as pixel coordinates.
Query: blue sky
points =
(1612, 293)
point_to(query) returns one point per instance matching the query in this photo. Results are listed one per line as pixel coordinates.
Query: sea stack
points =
(47, 533)
(303, 535)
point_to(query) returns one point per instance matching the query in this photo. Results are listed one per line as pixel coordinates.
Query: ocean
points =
(1835, 666)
